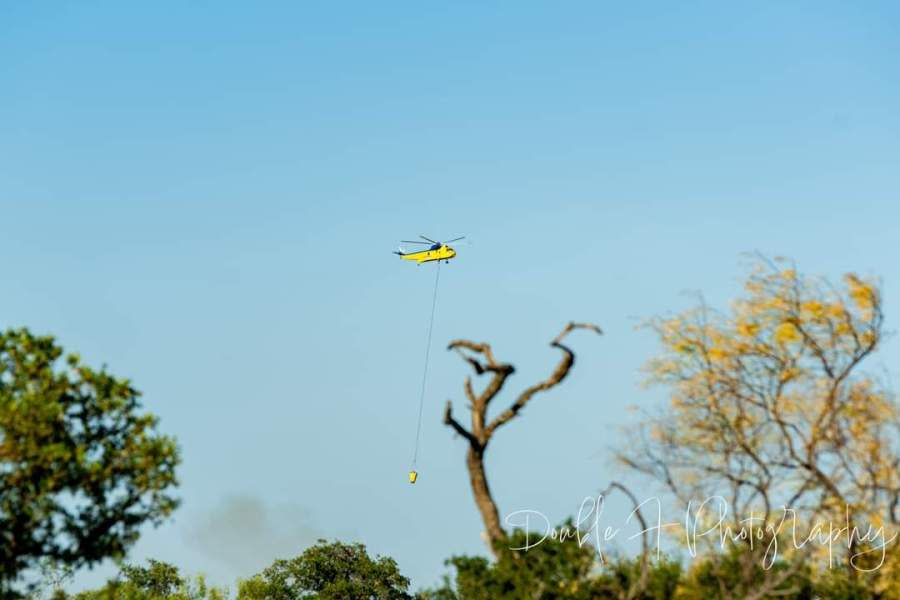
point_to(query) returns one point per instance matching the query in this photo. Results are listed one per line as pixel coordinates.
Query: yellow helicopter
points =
(436, 250)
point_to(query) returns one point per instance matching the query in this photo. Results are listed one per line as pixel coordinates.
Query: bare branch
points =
(769, 404)
(481, 358)
(482, 349)
(572, 326)
(449, 420)
(560, 373)
(637, 588)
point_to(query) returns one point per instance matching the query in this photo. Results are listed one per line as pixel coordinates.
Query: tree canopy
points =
(328, 571)
(81, 466)
(156, 581)
(770, 409)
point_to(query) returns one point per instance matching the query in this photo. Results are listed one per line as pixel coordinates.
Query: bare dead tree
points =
(481, 358)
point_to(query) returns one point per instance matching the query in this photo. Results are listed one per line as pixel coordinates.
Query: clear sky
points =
(204, 196)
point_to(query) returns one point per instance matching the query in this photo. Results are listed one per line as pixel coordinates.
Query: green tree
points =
(555, 570)
(621, 576)
(549, 571)
(159, 578)
(81, 467)
(157, 581)
(328, 571)
(720, 576)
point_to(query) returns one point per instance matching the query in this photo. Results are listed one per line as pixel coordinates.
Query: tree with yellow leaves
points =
(770, 411)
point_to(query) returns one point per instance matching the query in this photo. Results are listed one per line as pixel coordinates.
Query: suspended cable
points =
(437, 277)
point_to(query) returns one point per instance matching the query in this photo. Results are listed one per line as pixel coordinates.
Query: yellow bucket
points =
(412, 476)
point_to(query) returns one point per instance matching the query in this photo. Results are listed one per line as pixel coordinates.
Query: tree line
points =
(770, 409)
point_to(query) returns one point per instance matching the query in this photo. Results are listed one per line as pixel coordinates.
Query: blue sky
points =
(204, 197)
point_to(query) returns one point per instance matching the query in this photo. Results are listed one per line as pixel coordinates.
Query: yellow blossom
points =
(747, 329)
(861, 292)
(786, 333)
(789, 373)
(683, 346)
(836, 310)
(867, 337)
(813, 309)
(717, 354)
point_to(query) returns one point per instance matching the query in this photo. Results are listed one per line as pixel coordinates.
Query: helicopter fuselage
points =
(442, 252)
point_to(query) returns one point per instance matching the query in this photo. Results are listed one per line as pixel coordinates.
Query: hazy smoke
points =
(245, 535)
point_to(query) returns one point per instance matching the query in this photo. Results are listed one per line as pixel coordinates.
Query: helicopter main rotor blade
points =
(455, 239)
(429, 239)
(413, 242)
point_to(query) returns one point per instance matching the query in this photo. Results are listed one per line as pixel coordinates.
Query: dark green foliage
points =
(706, 579)
(81, 468)
(718, 576)
(562, 571)
(160, 579)
(157, 581)
(334, 571)
(837, 583)
(621, 574)
(552, 570)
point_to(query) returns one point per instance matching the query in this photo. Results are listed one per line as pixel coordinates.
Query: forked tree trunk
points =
(481, 359)
(483, 499)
